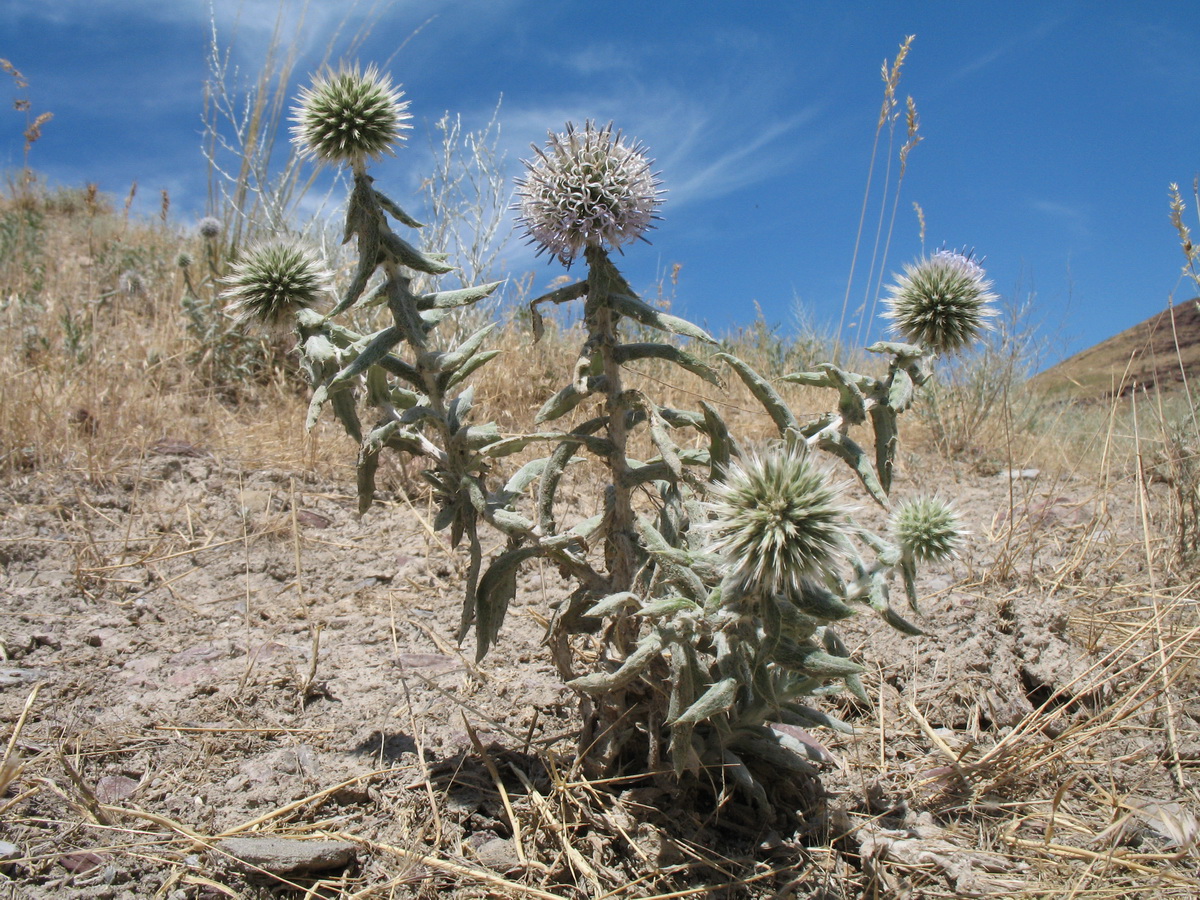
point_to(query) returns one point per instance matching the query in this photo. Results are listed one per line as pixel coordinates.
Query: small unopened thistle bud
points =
(184, 260)
(943, 302)
(209, 228)
(587, 188)
(273, 282)
(349, 116)
(927, 529)
(778, 519)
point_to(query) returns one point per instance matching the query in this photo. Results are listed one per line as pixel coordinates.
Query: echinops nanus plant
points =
(707, 587)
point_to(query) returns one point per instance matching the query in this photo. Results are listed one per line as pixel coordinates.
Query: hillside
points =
(1152, 353)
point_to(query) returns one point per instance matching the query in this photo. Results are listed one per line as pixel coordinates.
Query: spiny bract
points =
(350, 116)
(777, 519)
(943, 302)
(587, 188)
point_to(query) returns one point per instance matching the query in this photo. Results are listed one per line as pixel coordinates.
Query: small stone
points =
(255, 501)
(498, 855)
(285, 857)
(11, 675)
(114, 788)
(82, 862)
(310, 519)
(9, 852)
(1021, 474)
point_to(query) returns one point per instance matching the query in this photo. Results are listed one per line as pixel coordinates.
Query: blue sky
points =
(1051, 129)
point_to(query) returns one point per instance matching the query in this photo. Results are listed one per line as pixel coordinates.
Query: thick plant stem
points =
(603, 736)
(603, 281)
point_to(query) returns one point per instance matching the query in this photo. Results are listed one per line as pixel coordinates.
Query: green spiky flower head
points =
(587, 188)
(942, 303)
(349, 116)
(273, 282)
(777, 519)
(927, 529)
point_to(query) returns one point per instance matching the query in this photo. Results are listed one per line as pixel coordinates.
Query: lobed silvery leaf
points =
(779, 411)
(717, 699)
(625, 353)
(645, 314)
(636, 663)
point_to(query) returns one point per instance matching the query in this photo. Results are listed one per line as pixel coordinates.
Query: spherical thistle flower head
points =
(131, 283)
(942, 303)
(184, 259)
(778, 519)
(927, 529)
(349, 116)
(209, 228)
(587, 188)
(273, 282)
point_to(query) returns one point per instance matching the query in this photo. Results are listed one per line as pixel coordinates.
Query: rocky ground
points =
(220, 683)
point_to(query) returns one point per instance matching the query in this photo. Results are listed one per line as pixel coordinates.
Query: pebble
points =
(499, 855)
(1021, 474)
(10, 675)
(115, 788)
(287, 856)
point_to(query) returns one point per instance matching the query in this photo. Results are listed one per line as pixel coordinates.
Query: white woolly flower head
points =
(349, 116)
(942, 302)
(778, 519)
(209, 227)
(274, 281)
(587, 188)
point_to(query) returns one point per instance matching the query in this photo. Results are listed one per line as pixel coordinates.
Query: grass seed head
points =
(273, 282)
(349, 116)
(778, 519)
(943, 302)
(587, 188)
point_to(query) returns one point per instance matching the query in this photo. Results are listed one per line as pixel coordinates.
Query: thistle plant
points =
(706, 588)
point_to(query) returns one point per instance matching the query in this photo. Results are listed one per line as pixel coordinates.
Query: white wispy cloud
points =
(704, 151)
(1075, 219)
(1038, 33)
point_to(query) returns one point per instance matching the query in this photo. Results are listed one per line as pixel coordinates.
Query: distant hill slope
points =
(1144, 355)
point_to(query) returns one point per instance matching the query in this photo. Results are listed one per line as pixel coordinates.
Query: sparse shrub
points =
(707, 586)
(985, 388)
(222, 354)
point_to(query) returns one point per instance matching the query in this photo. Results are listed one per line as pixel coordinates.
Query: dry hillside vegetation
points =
(1159, 354)
(218, 681)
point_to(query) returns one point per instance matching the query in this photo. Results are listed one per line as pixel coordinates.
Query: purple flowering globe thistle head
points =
(273, 282)
(350, 116)
(587, 188)
(778, 519)
(927, 529)
(942, 302)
